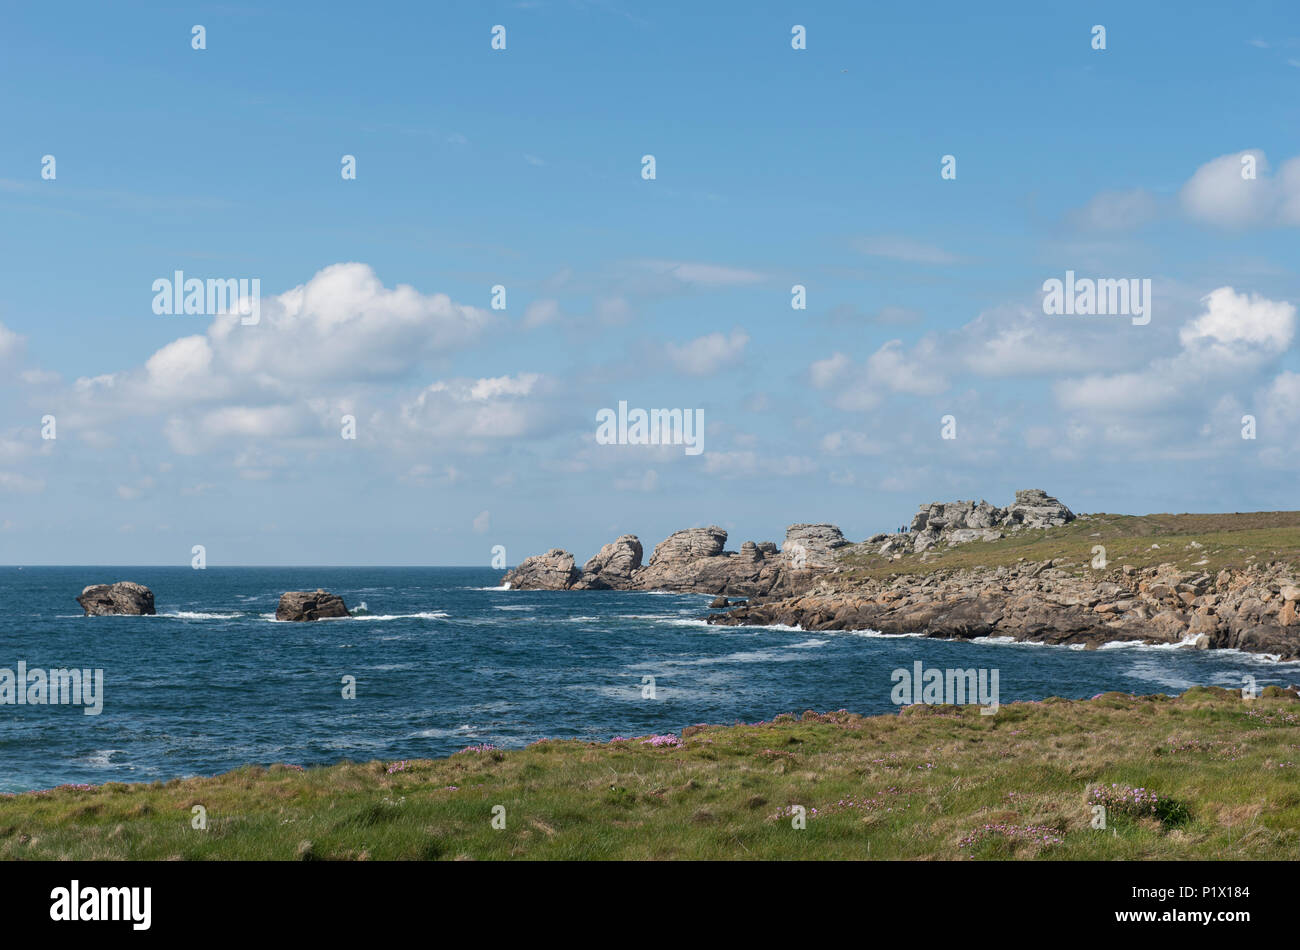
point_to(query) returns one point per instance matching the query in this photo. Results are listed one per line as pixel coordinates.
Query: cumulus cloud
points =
(341, 331)
(708, 354)
(1236, 333)
(496, 408)
(1217, 193)
(824, 373)
(892, 368)
(344, 324)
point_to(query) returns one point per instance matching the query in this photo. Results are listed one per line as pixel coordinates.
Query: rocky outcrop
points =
(696, 560)
(1034, 508)
(613, 567)
(810, 546)
(550, 571)
(1256, 609)
(124, 597)
(959, 522)
(303, 605)
(693, 560)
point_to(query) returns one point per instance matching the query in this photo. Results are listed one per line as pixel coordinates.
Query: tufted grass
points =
(923, 781)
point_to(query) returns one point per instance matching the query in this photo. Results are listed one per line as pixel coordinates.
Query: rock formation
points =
(1256, 609)
(958, 522)
(124, 597)
(550, 571)
(694, 560)
(812, 545)
(307, 605)
(613, 567)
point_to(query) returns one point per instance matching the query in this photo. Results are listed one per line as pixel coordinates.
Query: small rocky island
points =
(304, 605)
(1032, 571)
(123, 598)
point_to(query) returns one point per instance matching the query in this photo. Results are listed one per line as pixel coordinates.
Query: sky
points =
(921, 171)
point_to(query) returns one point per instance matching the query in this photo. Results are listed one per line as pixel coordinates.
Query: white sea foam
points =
(200, 615)
(422, 615)
(1152, 671)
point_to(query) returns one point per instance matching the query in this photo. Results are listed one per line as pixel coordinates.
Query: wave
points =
(200, 615)
(422, 615)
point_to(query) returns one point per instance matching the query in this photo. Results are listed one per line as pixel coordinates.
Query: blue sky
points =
(522, 168)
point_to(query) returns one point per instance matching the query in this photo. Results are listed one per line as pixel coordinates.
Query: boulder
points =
(689, 545)
(695, 560)
(124, 597)
(1034, 508)
(304, 605)
(812, 546)
(553, 570)
(613, 566)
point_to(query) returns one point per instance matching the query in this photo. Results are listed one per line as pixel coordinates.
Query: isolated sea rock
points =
(125, 597)
(613, 567)
(553, 570)
(307, 605)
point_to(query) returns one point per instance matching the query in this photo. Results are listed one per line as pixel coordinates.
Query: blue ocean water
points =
(443, 659)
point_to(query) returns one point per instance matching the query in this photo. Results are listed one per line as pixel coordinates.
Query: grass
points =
(1208, 543)
(929, 783)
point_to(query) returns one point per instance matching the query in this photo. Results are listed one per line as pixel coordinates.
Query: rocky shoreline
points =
(807, 584)
(1253, 610)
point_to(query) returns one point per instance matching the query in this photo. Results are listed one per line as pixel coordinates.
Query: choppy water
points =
(443, 660)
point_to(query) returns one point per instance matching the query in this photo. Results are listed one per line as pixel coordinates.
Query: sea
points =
(438, 659)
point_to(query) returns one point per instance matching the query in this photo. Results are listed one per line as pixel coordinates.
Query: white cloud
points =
(708, 354)
(1218, 194)
(748, 464)
(482, 522)
(1236, 333)
(497, 408)
(541, 312)
(904, 249)
(11, 344)
(824, 373)
(890, 369)
(708, 275)
(25, 484)
(1117, 211)
(1233, 321)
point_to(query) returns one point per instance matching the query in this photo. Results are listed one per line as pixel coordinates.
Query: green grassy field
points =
(1206, 543)
(929, 783)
